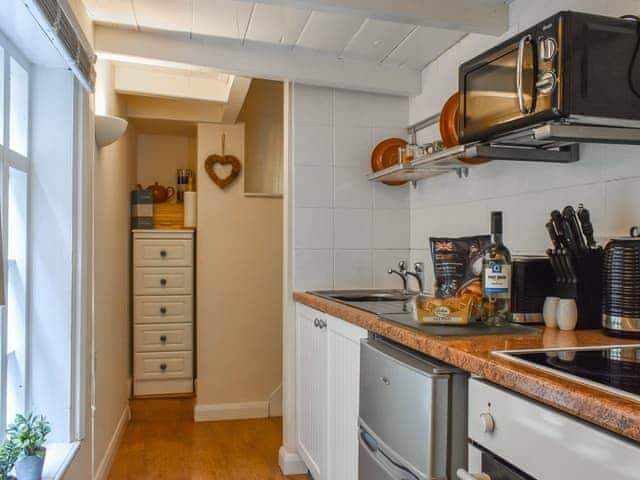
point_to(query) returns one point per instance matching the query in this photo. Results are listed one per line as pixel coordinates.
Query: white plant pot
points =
(30, 468)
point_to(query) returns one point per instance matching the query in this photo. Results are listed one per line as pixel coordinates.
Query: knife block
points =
(582, 281)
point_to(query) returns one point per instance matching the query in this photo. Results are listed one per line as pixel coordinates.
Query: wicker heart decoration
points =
(212, 160)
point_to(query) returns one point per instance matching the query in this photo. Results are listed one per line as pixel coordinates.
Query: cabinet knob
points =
(163, 338)
(163, 282)
(487, 423)
(163, 310)
(316, 322)
(163, 253)
(163, 366)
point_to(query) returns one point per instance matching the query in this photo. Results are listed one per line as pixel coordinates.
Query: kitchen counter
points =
(473, 354)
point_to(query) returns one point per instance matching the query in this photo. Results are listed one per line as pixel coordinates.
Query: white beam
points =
(272, 62)
(237, 95)
(158, 82)
(478, 16)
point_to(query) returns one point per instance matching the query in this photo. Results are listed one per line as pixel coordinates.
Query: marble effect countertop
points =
(473, 354)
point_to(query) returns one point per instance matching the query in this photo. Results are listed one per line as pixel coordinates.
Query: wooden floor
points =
(163, 442)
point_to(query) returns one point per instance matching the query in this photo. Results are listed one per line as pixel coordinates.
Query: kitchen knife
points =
(574, 240)
(568, 261)
(587, 227)
(553, 235)
(557, 221)
(554, 265)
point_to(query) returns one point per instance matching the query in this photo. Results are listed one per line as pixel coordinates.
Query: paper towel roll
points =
(190, 206)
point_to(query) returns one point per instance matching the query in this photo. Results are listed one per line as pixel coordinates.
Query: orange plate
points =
(449, 128)
(385, 155)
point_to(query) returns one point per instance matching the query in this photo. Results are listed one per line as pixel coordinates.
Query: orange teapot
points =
(160, 194)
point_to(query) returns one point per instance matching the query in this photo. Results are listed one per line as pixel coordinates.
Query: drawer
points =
(164, 337)
(162, 253)
(163, 281)
(163, 309)
(163, 365)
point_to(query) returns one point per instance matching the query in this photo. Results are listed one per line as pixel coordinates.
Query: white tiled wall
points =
(347, 232)
(606, 179)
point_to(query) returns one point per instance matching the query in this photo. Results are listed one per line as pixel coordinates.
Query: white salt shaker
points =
(549, 311)
(567, 314)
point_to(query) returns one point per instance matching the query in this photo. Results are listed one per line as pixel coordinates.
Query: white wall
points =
(159, 156)
(347, 231)
(606, 179)
(115, 173)
(239, 290)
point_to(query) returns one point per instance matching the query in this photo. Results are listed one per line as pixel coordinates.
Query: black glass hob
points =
(613, 368)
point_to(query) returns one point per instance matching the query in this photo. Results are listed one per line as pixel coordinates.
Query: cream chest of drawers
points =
(163, 326)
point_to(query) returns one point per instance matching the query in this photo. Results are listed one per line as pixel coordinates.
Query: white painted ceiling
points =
(345, 36)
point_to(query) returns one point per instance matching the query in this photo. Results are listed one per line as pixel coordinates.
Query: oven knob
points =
(488, 424)
(546, 82)
(547, 48)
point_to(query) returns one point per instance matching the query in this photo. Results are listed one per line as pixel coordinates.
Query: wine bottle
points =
(496, 276)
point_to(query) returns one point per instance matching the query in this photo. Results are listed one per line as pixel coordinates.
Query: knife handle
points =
(571, 219)
(557, 221)
(553, 235)
(569, 239)
(587, 226)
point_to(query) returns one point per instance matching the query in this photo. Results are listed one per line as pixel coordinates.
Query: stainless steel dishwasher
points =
(413, 412)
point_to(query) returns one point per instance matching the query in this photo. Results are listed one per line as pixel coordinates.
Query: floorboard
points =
(163, 442)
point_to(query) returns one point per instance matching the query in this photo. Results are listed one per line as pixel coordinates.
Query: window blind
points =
(67, 38)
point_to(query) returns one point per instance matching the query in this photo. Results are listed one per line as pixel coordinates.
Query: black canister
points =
(621, 296)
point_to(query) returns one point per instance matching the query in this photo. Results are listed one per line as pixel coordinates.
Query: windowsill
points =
(59, 457)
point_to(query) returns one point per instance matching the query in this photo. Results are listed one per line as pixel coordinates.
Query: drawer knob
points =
(163, 310)
(163, 253)
(163, 282)
(163, 366)
(163, 338)
(487, 423)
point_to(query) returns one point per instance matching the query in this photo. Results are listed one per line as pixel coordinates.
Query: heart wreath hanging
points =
(223, 160)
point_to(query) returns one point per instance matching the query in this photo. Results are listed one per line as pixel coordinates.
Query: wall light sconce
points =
(109, 129)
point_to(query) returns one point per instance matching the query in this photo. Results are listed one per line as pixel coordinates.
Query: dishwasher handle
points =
(462, 474)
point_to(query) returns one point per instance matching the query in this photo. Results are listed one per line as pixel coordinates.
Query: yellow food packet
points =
(457, 310)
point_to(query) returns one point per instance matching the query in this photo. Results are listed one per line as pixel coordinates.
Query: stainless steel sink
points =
(375, 301)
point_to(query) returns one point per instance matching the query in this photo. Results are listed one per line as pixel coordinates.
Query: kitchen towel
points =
(190, 209)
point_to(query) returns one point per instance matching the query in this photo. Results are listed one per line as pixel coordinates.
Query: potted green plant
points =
(9, 453)
(29, 433)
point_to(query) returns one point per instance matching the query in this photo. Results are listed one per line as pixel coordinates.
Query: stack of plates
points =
(622, 278)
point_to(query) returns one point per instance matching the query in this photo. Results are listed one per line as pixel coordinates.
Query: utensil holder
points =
(580, 277)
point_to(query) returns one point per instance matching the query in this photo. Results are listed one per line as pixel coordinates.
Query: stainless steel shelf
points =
(549, 143)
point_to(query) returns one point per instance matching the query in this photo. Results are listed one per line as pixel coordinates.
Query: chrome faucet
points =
(418, 275)
(402, 273)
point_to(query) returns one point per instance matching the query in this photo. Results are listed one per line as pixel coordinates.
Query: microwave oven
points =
(577, 67)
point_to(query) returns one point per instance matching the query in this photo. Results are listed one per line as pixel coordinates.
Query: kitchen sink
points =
(374, 301)
(366, 295)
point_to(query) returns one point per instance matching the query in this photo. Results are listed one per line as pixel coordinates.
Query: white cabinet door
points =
(311, 389)
(344, 381)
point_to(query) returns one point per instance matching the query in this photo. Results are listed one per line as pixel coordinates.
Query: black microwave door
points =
(489, 102)
(490, 91)
(597, 54)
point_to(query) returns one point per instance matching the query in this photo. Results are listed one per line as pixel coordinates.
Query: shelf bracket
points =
(566, 154)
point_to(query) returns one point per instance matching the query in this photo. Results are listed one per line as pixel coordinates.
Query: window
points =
(14, 182)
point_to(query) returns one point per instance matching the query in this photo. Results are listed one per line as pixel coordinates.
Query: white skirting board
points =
(102, 472)
(230, 411)
(290, 463)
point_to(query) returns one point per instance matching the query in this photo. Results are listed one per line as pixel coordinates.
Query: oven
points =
(577, 67)
(514, 438)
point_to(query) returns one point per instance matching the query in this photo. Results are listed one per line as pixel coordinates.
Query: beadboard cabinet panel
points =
(327, 389)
